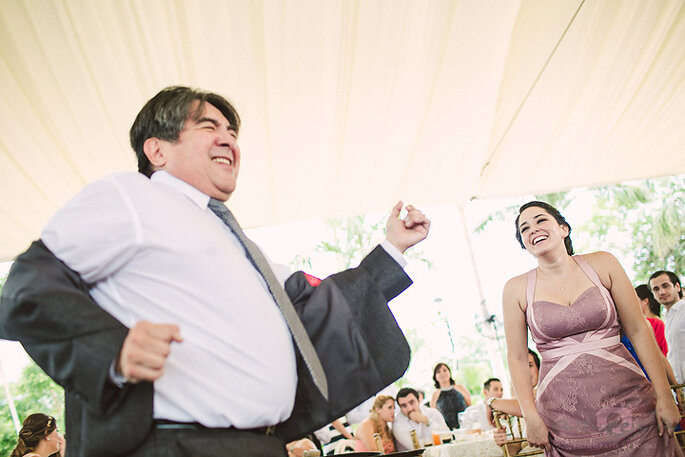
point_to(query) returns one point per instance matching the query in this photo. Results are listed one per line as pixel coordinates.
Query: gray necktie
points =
(304, 344)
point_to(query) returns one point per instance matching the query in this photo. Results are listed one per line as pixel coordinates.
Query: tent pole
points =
(10, 399)
(496, 352)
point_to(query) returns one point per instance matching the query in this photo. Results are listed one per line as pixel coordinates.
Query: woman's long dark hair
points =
(35, 427)
(435, 372)
(643, 292)
(552, 212)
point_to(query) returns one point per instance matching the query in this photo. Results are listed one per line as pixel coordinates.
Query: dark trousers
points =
(209, 443)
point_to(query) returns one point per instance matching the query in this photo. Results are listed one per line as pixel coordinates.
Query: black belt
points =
(163, 424)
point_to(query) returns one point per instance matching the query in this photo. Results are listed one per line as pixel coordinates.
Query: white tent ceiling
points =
(346, 105)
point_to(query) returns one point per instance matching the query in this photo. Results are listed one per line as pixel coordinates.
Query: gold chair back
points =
(514, 426)
(680, 401)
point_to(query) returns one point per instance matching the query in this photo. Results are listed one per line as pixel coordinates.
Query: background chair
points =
(344, 446)
(515, 443)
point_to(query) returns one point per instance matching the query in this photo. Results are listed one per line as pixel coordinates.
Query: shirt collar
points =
(196, 196)
(677, 305)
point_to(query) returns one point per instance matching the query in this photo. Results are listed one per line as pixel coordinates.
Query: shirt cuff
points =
(394, 253)
(117, 378)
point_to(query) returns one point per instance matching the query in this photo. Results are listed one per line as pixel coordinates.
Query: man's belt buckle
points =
(270, 430)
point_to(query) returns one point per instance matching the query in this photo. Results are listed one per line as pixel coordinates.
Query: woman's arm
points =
(508, 406)
(670, 376)
(341, 429)
(434, 399)
(464, 392)
(516, 332)
(640, 334)
(365, 433)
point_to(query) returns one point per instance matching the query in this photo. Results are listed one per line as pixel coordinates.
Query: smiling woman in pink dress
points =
(592, 397)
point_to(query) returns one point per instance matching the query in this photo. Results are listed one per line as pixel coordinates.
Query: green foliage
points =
(474, 365)
(418, 346)
(35, 392)
(642, 221)
(557, 199)
(651, 214)
(473, 375)
(353, 237)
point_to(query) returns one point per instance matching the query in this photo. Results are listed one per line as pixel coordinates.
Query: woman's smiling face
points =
(539, 231)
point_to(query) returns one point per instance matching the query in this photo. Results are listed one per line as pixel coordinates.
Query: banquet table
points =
(483, 446)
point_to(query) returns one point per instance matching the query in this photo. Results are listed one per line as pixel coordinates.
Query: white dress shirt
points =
(476, 414)
(402, 427)
(152, 250)
(674, 324)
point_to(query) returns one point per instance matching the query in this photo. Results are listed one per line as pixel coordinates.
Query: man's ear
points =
(155, 152)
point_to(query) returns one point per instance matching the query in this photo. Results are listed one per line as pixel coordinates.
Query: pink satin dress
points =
(592, 395)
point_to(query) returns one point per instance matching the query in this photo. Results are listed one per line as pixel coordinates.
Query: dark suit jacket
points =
(46, 306)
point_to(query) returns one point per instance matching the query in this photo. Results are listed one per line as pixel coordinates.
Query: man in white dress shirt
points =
(492, 388)
(667, 290)
(415, 416)
(204, 349)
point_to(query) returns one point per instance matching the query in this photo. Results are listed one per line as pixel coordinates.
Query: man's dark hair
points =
(536, 359)
(644, 293)
(405, 392)
(486, 384)
(164, 115)
(671, 276)
(552, 212)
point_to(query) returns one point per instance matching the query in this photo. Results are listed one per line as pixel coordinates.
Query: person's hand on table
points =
(298, 448)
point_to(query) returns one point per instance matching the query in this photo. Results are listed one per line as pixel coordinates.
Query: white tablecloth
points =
(483, 447)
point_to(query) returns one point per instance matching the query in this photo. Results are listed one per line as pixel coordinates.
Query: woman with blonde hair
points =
(38, 437)
(382, 412)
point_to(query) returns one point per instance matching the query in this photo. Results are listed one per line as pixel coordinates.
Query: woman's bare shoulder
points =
(514, 293)
(598, 257)
(365, 425)
(601, 261)
(605, 265)
(515, 285)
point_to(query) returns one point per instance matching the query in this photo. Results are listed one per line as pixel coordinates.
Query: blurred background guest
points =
(39, 437)
(382, 412)
(425, 421)
(477, 414)
(299, 448)
(330, 435)
(358, 414)
(449, 398)
(651, 309)
(666, 287)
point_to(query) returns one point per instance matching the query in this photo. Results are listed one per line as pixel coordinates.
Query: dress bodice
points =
(590, 322)
(450, 403)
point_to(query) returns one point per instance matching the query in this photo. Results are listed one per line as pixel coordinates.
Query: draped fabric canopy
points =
(347, 105)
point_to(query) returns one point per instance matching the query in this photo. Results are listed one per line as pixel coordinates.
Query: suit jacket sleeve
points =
(46, 306)
(361, 347)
